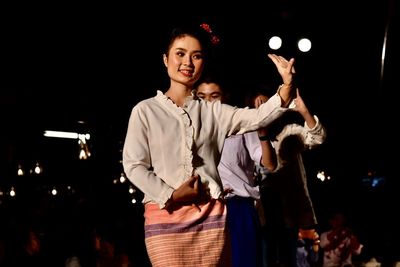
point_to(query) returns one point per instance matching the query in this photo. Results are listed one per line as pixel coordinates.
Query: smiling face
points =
(184, 60)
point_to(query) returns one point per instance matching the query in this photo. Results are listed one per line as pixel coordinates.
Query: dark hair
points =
(212, 77)
(289, 117)
(195, 30)
(201, 31)
(217, 78)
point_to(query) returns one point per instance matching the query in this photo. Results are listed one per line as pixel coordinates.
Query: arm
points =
(137, 162)
(246, 120)
(314, 133)
(303, 110)
(268, 157)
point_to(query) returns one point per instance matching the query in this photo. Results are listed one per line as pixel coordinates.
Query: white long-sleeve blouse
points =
(166, 144)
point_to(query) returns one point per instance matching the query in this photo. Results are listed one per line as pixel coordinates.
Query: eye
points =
(216, 95)
(198, 56)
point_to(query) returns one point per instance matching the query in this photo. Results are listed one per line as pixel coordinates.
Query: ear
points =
(165, 59)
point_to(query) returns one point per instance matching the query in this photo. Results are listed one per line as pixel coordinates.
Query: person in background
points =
(339, 243)
(172, 148)
(307, 248)
(29, 249)
(236, 169)
(109, 253)
(287, 204)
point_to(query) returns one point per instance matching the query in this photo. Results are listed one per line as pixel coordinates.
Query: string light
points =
(38, 169)
(20, 171)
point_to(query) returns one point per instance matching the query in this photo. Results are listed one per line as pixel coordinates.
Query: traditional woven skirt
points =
(188, 236)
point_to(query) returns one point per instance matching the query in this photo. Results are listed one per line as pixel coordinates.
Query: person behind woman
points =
(236, 169)
(172, 148)
(286, 199)
(339, 243)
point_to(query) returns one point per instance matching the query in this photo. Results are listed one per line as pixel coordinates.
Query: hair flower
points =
(214, 38)
(206, 27)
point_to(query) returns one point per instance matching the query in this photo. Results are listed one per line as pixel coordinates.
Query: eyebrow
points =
(185, 50)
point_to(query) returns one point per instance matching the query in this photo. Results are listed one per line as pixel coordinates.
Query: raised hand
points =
(285, 68)
(300, 106)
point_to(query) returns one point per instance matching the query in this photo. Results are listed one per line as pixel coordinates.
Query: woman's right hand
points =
(189, 191)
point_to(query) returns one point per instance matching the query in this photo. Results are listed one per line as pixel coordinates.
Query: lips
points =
(187, 73)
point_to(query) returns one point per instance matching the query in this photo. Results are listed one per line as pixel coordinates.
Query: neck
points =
(178, 96)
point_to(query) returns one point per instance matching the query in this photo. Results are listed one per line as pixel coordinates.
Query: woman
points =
(171, 152)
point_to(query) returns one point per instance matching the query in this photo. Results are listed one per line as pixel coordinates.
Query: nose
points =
(187, 61)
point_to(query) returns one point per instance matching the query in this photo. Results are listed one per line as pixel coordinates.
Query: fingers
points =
(258, 102)
(197, 207)
(283, 61)
(194, 181)
(279, 58)
(291, 63)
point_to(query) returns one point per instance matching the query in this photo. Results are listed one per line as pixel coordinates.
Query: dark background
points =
(66, 64)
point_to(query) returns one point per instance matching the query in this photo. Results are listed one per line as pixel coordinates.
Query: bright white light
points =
(275, 42)
(70, 135)
(132, 190)
(12, 192)
(304, 45)
(38, 170)
(54, 191)
(84, 136)
(321, 175)
(82, 154)
(20, 171)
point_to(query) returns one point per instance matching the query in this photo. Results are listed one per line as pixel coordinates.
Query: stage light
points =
(84, 152)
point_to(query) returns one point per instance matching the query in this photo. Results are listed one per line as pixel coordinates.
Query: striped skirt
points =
(188, 236)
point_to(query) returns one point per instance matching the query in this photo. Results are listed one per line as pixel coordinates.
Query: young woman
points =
(171, 152)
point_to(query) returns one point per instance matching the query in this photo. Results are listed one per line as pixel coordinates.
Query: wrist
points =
(263, 138)
(285, 93)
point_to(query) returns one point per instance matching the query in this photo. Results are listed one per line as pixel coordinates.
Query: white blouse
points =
(166, 144)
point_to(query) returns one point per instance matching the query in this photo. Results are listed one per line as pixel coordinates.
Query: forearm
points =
(309, 119)
(285, 92)
(268, 158)
(147, 182)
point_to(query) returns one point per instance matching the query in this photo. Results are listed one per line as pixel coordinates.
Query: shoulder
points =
(145, 103)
